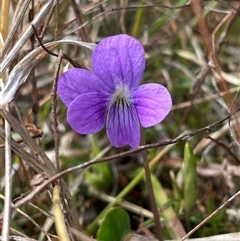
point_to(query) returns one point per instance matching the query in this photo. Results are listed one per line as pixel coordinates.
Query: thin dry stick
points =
(159, 231)
(54, 113)
(35, 104)
(55, 133)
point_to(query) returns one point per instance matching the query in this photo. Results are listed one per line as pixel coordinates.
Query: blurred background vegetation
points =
(192, 48)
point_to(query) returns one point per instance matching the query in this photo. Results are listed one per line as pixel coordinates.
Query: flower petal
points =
(75, 82)
(153, 102)
(123, 126)
(86, 114)
(119, 59)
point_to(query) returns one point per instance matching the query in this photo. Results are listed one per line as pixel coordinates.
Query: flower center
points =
(121, 96)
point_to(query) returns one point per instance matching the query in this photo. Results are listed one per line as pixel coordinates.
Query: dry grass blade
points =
(8, 182)
(26, 35)
(14, 27)
(21, 71)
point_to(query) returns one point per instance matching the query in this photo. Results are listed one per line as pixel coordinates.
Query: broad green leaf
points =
(115, 225)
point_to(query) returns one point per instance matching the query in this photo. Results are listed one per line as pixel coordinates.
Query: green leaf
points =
(171, 221)
(190, 178)
(115, 225)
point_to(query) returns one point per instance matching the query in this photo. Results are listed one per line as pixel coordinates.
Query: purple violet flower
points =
(110, 95)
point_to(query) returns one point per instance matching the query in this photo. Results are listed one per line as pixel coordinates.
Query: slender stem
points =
(8, 184)
(153, 204)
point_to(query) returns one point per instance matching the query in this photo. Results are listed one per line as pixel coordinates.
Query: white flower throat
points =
(121, 96)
